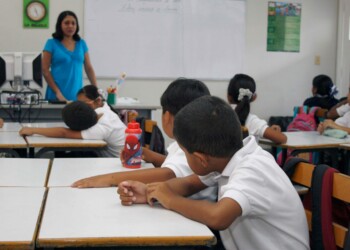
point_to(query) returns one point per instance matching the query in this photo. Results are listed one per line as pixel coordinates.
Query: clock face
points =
(36, 11)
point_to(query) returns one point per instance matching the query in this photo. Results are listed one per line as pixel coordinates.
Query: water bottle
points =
(132, 152)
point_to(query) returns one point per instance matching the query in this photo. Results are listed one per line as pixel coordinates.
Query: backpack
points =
(304, 119)
(324, 208)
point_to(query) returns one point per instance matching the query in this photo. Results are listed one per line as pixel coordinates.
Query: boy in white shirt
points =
(84, 123)
(257, 207)
(342, 123)
(177, 95)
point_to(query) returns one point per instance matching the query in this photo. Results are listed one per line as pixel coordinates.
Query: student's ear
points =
(202, 158)
(167, 119)
(255, 95)
(229, 98)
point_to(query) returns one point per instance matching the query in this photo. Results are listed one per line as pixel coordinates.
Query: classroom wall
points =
(283, 79)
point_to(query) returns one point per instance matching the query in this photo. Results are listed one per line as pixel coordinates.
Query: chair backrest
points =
(341, 185)
(152, 136)
(245, 131)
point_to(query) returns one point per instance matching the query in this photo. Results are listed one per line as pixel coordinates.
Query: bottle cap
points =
(133, 127)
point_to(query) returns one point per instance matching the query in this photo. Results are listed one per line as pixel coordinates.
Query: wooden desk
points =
(65, 171)
(310, 141)
(48, 144)
(10, 141)
(94, 217)
(19, 215)
(22, 172)
(52, 112)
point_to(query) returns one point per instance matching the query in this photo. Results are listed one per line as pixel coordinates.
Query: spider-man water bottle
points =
(132, 153)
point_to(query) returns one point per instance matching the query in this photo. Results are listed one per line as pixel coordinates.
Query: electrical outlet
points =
(317, 60)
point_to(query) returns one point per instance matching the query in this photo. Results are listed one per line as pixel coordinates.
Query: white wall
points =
(283, 79)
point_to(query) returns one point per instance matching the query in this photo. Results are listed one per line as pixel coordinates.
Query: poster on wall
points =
(35, 14)
(283, 28)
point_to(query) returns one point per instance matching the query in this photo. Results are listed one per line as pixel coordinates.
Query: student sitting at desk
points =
(179, 93)
(257, 207)
(84, 123)
(323, 92)
(240, 93)
(1, 123)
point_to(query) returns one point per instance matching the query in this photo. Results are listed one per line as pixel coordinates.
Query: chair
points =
(245, 131)
(303, 175)
(152, 136)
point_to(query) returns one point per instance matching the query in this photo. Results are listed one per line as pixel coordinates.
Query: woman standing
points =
(63, 58)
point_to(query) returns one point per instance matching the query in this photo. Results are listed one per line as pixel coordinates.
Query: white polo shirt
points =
(273, 216)
(344, 120)
(177, 162)
(110, 129)
(341, 110)
(254, 124)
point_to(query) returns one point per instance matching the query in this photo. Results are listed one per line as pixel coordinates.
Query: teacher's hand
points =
(60, 97)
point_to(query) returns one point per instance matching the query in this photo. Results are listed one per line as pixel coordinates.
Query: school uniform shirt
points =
(344, 120)
(66, 68)
(177, 162)
(110, 129)
(254, 124)
(343, 109)
(273, 216)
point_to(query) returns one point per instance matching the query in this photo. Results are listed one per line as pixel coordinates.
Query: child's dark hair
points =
(208, 125)
(241, 90)
(59, 32)
(181, 92)
(92, 93)
(79, 116)
(324, 86)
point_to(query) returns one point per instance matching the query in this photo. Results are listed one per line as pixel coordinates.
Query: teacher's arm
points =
(89, 70)
(46, 63)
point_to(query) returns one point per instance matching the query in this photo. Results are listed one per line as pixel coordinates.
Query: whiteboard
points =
(202, 39)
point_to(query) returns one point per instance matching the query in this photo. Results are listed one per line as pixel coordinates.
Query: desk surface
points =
(95, 217)
(11, 127)
(12, 140)
(306, 140)
(23, 172)
(65, 171)
(42, 141)
(19, 215)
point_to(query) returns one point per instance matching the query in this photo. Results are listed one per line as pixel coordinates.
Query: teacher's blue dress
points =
(66, 68)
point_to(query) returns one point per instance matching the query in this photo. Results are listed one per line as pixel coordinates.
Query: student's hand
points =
(320, 128)
(91, 182)
(132, 192)
(1, 123)
(329, 124)
(146, 154)
(122, 156)
(276, 128)
(161, 192)
(26, 131)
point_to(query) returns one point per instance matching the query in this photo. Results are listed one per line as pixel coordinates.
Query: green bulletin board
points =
(283, 31)
(35, 13)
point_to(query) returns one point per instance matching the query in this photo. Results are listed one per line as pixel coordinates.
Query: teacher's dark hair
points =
(59, 33)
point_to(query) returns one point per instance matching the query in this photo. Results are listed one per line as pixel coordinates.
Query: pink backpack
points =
(304, 119)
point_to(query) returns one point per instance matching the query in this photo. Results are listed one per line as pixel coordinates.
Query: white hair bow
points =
(243, 93)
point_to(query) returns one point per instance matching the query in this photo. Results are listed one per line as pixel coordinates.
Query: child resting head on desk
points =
(342, 123)
(177, 95)
(257, 207)
(84, 123)
(241, 92)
